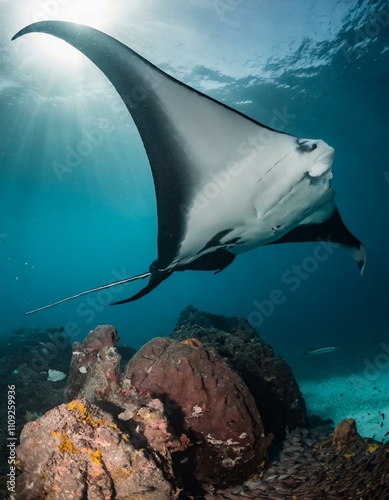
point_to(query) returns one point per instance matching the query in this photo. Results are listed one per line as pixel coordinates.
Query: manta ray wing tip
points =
(23, 31)
(358, 253)
(360, 258)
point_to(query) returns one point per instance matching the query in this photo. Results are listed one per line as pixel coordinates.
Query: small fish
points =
(55, 375)
(323, 350)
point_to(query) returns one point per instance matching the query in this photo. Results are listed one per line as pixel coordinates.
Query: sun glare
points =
(95, 13)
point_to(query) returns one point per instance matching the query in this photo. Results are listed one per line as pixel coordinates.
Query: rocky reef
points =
(27, 359)
(267, 376)
(209, 412)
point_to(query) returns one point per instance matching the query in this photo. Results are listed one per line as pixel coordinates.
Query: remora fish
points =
(224, 183)
(323, 350)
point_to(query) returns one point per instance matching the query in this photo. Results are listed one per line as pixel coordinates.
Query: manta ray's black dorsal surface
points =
(224, 183)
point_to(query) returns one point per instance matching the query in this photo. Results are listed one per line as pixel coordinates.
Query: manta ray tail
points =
(155, 279)
(213, 261)
(103, 287)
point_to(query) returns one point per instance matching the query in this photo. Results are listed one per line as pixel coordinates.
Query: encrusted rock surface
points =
(345, 433)
(208, 402)
(76, 451)
(95, 365)
(268, 377)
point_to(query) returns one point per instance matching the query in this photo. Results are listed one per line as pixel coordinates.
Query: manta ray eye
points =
(306, 146)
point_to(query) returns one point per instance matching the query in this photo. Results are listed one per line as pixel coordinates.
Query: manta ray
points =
(224, 182)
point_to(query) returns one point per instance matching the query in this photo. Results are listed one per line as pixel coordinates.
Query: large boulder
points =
(267, 376)
(207, 401)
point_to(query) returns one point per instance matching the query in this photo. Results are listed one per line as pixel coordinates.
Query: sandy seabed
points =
(362, 396)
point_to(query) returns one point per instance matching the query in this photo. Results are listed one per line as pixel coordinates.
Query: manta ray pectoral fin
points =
(190, 139)
(332, 232)
(97, 289)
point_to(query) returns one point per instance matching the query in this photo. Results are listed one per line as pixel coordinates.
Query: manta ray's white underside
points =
(261, 198)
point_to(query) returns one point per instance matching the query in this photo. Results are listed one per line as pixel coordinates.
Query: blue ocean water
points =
(77, 198)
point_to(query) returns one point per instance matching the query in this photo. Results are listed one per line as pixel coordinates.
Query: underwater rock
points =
(102, 336)
(267, 376)
(95, 366)
(345, 433)
(77, 451)
(207, 401)
(95, 375)
(145, 420)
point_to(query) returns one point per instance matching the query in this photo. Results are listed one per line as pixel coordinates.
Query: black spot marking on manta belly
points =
(215, 240)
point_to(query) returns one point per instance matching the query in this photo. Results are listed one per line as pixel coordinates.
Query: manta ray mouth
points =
(322, 167)
(321, 171)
